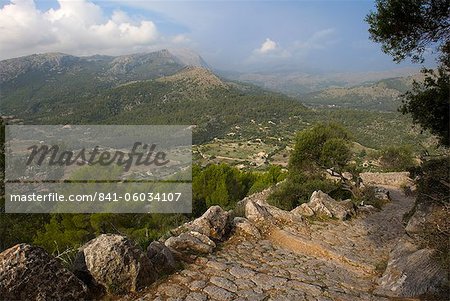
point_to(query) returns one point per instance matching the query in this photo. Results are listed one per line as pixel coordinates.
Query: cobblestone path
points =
(332, 260)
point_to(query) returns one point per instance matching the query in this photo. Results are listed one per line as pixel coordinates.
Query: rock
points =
(318, 202)
(196, 296)
(255, 212)
(218, 293)
(422, 219)
(220, 266)
(213, 223)
(322, 204)
(412, 272)
(303, 210)
(260, 211)
(347, 175)
(268, 282)
(283, 217)
(224, 283)
(386, 178)
(349, 209)
(240, 272)
(366, 209)
(161, 257)
(191, 243)
(242, 226)
(197, 285)
(382, 193)
(114, 263)
(30, 273)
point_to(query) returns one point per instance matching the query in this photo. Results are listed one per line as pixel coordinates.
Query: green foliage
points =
(218, 185)
(69, 231)
(298, 188)
(224, 185)
(429, 104)
(64, 231)
(273, 175)
(396, 158)
(15, 228)
(366, 196)
(322, 147)
(213, 185)
(95, 172)
(335, 153)
(373, 129)
(433, 185)
(366, 96)
(408, 29)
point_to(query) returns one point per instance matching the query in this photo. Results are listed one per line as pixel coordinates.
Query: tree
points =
(409, 29)
(406, 28)
(397, 158)
(429, 105)
(319, 150)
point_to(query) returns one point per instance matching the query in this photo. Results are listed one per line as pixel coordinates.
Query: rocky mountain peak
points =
(131, 66)
(196, 76)
(54, 61)
(188, 57)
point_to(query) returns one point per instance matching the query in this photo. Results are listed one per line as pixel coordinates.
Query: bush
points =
(366, 196)
(322, 147)
(298, 189)
(267, 179)
(396, 158)
(224, 185)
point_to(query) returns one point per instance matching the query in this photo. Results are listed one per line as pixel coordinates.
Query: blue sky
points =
(313, 36)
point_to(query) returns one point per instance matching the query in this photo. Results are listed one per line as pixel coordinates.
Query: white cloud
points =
(77, 27)
(269, 52)
(268, 46)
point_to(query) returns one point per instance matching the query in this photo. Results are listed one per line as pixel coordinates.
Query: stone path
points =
(334, 261)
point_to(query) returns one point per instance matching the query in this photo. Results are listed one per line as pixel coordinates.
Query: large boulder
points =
(256, 212)
(425, 218)
(303, 210)
(161, 257)
(115, 264)
(214, 223)
(30, 273)
(243, 227)
(347, 209)
(412, 272)
(191, 243)
(321, 204)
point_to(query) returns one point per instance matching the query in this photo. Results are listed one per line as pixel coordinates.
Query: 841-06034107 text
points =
(98, 197)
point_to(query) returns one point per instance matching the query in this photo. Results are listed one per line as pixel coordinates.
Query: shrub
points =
(322, 147)
(298, 189)
(396, 158)
(366, 196)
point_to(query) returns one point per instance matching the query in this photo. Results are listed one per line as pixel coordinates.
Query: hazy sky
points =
(234, 35)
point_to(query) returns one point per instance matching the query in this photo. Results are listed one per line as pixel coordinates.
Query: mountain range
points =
(178, 87)
(152, 88)
(382, 95)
